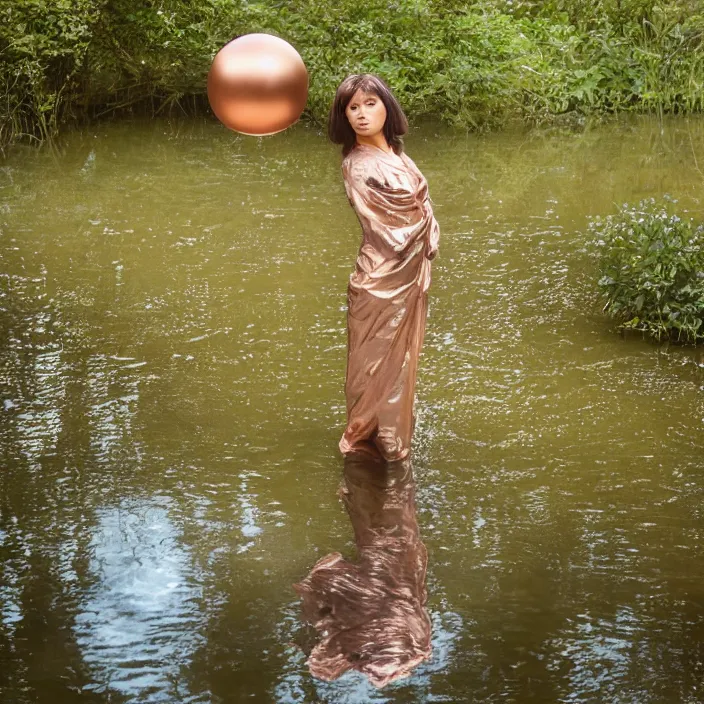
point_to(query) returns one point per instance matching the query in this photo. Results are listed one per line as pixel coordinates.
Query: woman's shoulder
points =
(409, 161)
(358, 156)
(361, 164)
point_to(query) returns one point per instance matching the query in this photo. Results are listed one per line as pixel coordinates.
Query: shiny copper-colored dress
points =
(387, 298)
(371, 614)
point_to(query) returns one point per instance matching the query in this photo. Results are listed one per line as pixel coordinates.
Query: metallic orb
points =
(258, 85)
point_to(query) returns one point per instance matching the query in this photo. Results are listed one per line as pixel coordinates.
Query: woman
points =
(387, 294)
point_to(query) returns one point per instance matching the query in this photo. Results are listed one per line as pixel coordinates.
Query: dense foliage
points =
(652, 270)
(471, 64)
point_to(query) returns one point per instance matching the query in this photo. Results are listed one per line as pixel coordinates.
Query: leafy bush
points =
(42, 50)
(652, 270)
(470, 64)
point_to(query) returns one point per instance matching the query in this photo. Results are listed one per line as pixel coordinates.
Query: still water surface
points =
(172, 355)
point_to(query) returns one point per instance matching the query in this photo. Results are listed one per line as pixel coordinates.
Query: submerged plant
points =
(651, 263)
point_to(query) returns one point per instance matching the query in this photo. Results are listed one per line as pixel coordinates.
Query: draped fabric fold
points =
(387, 298)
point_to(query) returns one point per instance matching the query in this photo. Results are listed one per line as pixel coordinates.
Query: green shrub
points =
(651, 263)
(43, 46)
(475, 64)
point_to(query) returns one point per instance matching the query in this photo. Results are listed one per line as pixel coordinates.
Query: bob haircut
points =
(339, 129)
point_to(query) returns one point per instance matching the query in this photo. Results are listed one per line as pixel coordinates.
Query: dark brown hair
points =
(339, 129)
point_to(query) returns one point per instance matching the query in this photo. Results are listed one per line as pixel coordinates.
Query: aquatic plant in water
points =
(651, 265)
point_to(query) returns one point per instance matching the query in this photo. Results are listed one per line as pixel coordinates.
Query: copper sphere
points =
(258, 85)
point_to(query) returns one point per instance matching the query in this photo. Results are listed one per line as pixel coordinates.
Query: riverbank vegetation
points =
(470, 64)
(651, 263)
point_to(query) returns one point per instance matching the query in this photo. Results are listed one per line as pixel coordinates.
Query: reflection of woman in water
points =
(387, 294)
(371, 613)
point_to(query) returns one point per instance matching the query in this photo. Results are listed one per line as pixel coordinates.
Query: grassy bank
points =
(473, 65)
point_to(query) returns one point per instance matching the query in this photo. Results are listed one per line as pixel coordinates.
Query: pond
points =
(172, 356)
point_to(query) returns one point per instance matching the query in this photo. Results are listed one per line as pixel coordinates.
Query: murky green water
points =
(172, 321)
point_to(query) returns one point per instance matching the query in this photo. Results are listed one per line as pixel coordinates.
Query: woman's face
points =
(366, 113)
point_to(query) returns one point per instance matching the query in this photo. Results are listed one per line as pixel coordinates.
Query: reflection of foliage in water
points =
(45, 506)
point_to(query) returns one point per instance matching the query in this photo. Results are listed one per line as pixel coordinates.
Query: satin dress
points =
(387, 298)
